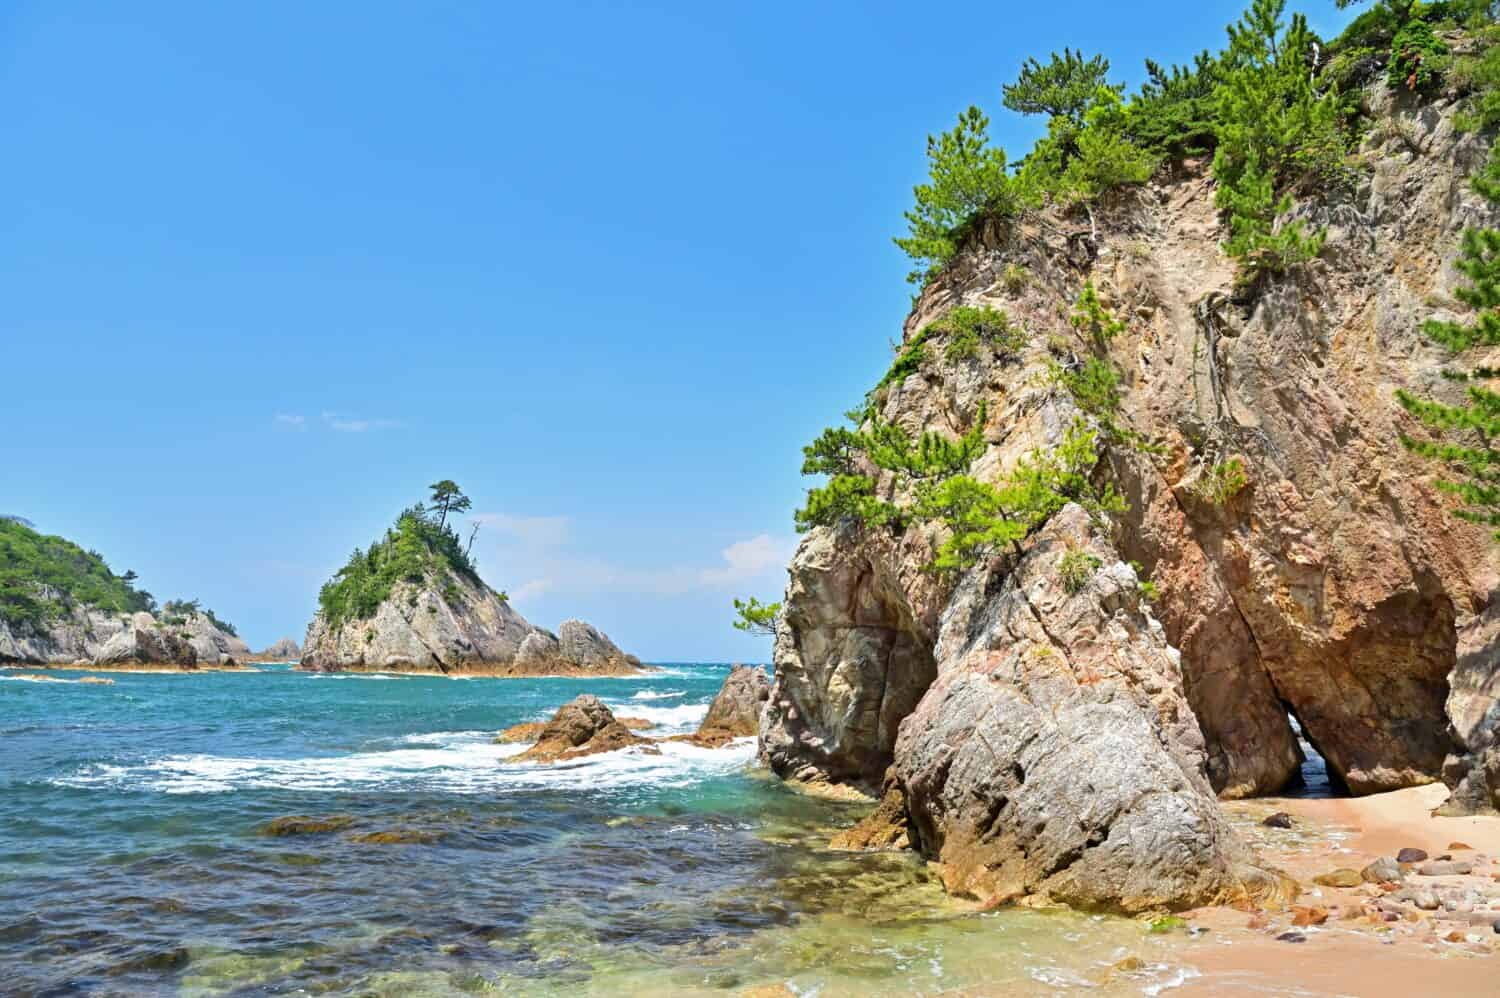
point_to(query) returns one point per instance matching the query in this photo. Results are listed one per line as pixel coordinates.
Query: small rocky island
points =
(414, 602)
(586, 726)
(62, 606)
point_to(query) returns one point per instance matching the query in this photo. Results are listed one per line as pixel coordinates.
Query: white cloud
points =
(344, 423)
(533, 531)
(744, 560)
(290, 421)
(536, 548)
(535, 587)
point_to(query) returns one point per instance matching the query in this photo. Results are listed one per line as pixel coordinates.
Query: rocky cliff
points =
(452, 623)
(1069, 745)
(89, 636)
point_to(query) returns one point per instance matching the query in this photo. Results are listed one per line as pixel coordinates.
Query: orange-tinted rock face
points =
(583, 726)
(1332, 583)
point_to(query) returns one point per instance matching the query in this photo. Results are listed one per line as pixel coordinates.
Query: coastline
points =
(155, 668)
(1353, 952)
(487, 670)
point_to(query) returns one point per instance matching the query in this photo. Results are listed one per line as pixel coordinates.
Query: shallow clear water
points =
(133, 858)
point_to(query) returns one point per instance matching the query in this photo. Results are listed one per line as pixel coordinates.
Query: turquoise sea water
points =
(133, 858)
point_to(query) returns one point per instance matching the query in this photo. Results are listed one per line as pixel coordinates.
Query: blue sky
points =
(269, 269)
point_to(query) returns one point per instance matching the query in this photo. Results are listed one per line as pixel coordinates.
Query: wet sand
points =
(1355, 952)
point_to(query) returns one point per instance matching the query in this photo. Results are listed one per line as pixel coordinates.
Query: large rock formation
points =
(213, 645)
(85, 636)
(457, 624)
(1069, 745)
(852, 659)
(282, 650)
(1056, 754)
(736, 709)
(144, 640)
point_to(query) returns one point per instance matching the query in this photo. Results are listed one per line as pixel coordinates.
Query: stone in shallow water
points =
(1278, 820)
(399, 836)
(1411, 855)
(1445, 868)
(302, 824)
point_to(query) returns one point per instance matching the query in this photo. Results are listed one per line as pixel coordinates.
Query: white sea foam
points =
(657, 694)
(38, 679)
(668, 720)
(352, 675)
(458, 762)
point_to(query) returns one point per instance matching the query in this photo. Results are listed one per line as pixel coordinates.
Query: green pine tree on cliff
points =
(1464, 434)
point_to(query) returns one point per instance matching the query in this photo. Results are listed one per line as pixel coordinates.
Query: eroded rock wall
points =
(1334, 584)
(1056, 755)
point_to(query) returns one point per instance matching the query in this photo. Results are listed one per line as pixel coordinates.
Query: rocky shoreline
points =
(1061, 720)
(455, 625)
(586, 726)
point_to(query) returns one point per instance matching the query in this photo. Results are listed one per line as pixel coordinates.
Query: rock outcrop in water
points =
(282, 650)
(583, 726)
(1070, 745)
(61, 605)
(91, 637)
(736, 709)
(457, 625)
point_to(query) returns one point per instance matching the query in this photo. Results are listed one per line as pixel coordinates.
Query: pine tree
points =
(755, 617)
(1064, 88)
(1275, 131)
(966, 179)
(1466, 436)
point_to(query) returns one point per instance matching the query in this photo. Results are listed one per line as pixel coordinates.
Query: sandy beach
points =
(1356, 951)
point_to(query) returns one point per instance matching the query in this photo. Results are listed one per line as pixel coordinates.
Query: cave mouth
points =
(1313, 779)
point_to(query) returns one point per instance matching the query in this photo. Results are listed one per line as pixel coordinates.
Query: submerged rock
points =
(581, 727)
(399, 836)
(302, 824)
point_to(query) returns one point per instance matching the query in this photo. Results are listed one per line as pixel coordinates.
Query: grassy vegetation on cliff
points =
(43, 576)
(417, 548)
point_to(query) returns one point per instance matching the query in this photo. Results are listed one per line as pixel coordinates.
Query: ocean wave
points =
(352, 675)
(658, 694)
(668, 720)
(452, 762)
(51, 679)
